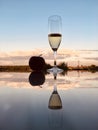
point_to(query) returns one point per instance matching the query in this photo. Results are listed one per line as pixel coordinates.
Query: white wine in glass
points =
(54, 37)
(54, 40)
(55, 100)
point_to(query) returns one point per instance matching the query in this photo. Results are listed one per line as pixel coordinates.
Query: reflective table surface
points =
(28, 101)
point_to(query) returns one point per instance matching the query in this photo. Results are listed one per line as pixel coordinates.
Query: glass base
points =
(55, 70)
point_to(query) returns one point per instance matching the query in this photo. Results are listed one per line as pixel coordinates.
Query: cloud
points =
(91, 58)
(64, 55)
(16, 57)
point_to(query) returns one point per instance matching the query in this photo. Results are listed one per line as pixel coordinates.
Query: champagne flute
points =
(54, 37)
(55, 100)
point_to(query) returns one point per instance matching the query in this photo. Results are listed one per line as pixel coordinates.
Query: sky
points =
(24, 24)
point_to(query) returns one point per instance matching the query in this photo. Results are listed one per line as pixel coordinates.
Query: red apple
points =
(37, 63)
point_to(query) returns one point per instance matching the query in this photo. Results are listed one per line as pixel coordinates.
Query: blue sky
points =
(24, 23)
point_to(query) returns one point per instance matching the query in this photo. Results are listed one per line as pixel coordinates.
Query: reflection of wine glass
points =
(55, 109)
(55, 100)
(54, 37)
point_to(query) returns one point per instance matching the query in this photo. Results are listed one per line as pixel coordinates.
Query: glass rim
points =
(55, 17)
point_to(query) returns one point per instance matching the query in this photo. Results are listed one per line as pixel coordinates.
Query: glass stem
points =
(55, 87)
(55, 53)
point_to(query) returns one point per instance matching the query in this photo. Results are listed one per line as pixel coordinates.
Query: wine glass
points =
(54, 37)
(55, 100)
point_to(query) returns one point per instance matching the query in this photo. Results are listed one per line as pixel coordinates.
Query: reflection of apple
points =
(36, 78)
(37, 63)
